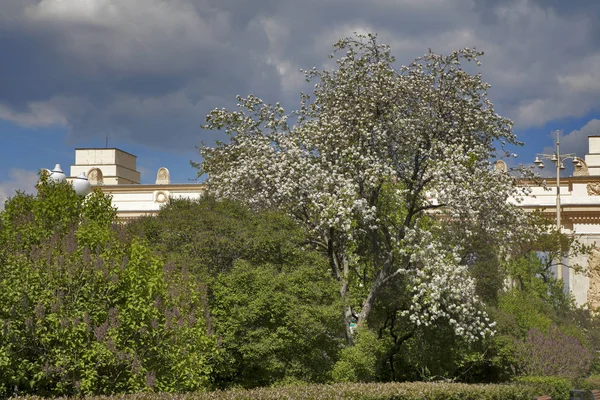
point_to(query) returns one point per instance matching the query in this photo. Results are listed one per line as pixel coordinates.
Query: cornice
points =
(133, 188)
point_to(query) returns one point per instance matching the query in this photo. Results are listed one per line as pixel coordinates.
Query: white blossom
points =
(374, 151)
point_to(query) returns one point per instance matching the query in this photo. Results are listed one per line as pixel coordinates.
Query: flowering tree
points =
(373, 164)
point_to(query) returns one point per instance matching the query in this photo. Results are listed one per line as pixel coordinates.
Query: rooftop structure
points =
(106, 166)
(115, 172)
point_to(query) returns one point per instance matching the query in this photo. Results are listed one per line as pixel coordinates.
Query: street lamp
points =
(81, 185)
(57, 174)
(557, 159)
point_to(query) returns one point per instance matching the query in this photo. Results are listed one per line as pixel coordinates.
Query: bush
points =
(553, 354)
(591, 383)
(358, 363)
(278, 324)
(84, 311)
(557, 387)
(358, 391)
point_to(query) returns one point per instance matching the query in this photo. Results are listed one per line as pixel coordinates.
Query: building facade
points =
(115, 172)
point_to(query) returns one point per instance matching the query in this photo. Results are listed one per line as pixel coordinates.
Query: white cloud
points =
(19, 179)
(37, 114)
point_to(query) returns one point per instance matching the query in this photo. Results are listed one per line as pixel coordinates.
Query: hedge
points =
(591, 383)
(351, 391)
(557, 387)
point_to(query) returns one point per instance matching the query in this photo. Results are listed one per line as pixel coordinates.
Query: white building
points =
(115, 172)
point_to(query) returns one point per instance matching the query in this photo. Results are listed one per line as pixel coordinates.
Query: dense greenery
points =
(360, 391)
(273, 307)
(84, 309)
(378, 261)
(209, 294)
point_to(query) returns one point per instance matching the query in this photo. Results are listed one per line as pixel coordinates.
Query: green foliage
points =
(278, 323)
(530, 274)
(358, 363)
(82, 311)
(557, 387)
(208, 235)
(528, 312)
(358, 391)
(590, 383)
(273, 305)
(434, 354)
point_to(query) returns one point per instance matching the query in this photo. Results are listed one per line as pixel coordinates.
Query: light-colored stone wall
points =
(95, 156)
(118, 167)
(137, 200)
(594, 145)
(125, 160)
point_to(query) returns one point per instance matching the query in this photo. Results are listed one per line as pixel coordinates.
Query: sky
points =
(143, 74)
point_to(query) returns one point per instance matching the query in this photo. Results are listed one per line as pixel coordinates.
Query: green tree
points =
(273, 306)
(209, 235)
(279, 324)
(83, 310)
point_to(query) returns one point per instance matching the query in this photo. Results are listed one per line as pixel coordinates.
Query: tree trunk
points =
(367, 305)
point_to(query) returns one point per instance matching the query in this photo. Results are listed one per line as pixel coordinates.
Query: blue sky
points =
(145, 73)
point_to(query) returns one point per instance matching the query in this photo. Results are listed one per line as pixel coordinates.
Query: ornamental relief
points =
(161, 197)
(594, 275)
(593, 189)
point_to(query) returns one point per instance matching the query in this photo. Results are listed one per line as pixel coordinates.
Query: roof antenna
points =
(107, 141)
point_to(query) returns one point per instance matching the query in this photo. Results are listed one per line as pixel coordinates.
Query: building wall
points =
(134, 201)
(118, 167)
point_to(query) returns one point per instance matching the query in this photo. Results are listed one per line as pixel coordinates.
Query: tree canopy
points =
(389, 169)
(84, 309)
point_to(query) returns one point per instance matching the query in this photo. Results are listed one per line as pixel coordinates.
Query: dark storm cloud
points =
(150, 70)
(146, 75)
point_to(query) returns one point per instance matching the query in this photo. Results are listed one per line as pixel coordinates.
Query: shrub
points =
(278, 324)
(83, 311)
(358, 363)
(358, 391)
(553, 354)
(591, 383)
(557, 387)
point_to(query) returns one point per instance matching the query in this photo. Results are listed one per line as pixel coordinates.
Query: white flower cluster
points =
(441, 289)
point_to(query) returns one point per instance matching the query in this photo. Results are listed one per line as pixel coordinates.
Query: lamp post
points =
(57, 174)
(80, 184)
(557, 159)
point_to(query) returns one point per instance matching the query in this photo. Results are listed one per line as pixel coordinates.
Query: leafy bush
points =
(553, 354)
(273, 305)
(356, 391)
(591, 383)
(358, 363)
(278, 323)
(84, 311)
(557, 387)
(528, 311)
